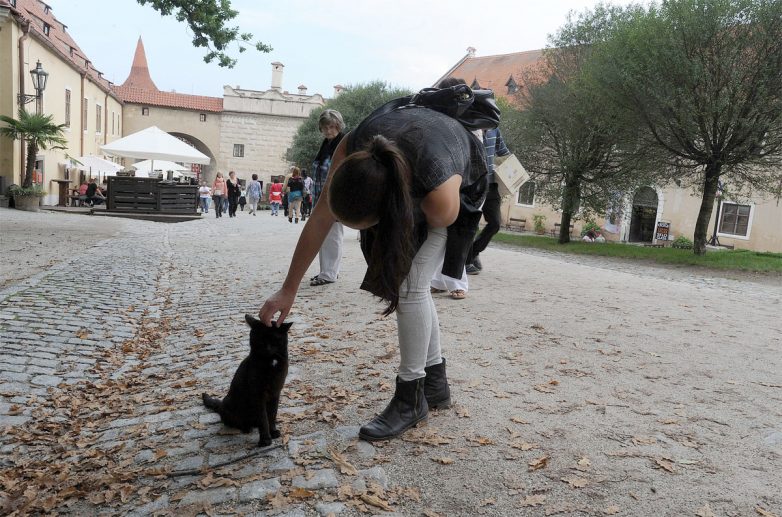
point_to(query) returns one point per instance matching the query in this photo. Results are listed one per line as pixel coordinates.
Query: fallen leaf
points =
(533, 500)
(376, 501)
(82, 333)
(576, 482)
(518, 420)
(345, 466)
(444, 460)
(487, 502)
(481, 440)
(539, 463)
(644, 440)
(543, 388)
(764, 513)
(430, 513)
(462, 412)
(524, 446)
(584, 462)
(705, 511)
(301, 493)
(665, 464)
(611, 510)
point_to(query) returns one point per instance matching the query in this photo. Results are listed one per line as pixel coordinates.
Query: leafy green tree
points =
(579, 149)
(703, 78)
(354, 103)
(39, 132)
(207, 19)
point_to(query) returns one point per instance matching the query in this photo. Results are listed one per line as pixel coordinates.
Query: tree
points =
(580, 150)
(39, 132)
(703, 78)
(207, 19)
(354, 103)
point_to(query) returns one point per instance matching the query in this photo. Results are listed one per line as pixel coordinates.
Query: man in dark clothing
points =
(94, 194)
(494, 145)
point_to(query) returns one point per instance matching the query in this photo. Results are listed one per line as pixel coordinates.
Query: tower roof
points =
(139, 72)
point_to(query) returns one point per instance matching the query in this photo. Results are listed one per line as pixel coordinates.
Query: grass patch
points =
(740, 260)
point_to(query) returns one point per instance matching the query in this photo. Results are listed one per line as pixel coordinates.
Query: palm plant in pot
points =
(40, 133)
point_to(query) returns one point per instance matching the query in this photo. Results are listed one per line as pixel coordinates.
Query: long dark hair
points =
(373, 184)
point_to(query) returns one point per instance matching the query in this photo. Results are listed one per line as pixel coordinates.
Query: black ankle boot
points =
(438, 394)
(407, 408)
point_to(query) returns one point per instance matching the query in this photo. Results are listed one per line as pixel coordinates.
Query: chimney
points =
(277, 75)
(302, 90)
(470, 51)
(338, 89)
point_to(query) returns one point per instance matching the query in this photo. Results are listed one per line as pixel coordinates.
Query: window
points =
(512, 86)
(67, 108)
(202, 117)
(112, 122)
(46, 28)
(526, 194)
(84, 116)
(238, 150)
(13, 3)
(735, 219)
(98, 118)
(145, 111)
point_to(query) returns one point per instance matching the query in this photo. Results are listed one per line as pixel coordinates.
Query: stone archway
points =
(643, 215)
(207, 172)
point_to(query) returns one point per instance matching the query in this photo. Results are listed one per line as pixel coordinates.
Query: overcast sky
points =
(408, 43)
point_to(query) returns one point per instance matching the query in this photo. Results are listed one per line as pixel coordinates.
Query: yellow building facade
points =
(76, 94)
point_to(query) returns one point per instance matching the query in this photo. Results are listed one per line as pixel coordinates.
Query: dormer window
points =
(12, 2)
(512, 86)
(72, 49)
(46, 9)
(475, 85)
(46, 28)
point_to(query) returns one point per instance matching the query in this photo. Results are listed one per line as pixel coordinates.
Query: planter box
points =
(27, 203)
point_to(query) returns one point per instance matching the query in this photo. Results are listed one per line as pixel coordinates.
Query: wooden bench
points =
(516, 224)
(557, 226)
(650, 245)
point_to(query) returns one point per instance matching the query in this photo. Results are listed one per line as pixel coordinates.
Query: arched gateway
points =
(643, 215)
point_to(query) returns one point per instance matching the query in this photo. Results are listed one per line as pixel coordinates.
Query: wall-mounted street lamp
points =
(40, 76)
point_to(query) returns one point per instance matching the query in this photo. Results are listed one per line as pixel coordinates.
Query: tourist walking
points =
(275, 195)
(332, 127)
(295, 190)
(219, 194)
(204, 193)
(306, 203)
(234, 191)
(253, 194)
(407, 179)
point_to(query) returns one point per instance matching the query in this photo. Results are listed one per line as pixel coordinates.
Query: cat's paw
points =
(275, 433)
(264, 441)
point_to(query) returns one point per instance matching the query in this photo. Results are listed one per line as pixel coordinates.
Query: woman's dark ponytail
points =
(392, 250)
(375, 184)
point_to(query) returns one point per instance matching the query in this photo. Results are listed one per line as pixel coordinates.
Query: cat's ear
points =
(252, 320)
(286, 326)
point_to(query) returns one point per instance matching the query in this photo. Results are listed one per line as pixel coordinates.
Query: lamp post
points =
(40, 76)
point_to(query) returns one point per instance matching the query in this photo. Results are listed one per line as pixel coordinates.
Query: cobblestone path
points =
(651, 410)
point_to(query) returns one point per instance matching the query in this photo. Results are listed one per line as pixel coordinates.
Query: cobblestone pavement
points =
(634, 394)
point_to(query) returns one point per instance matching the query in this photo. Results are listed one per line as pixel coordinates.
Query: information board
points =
(663, 231)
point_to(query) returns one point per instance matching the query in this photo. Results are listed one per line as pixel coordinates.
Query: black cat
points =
(254, 394)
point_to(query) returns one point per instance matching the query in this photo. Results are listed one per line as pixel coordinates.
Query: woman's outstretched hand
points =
(281, 302)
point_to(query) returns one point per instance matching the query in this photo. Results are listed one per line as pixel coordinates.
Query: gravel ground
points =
(581, 386)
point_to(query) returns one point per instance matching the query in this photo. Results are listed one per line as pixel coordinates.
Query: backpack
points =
(474, 109)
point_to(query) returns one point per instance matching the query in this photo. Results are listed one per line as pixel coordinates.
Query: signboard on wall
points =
(663, 231)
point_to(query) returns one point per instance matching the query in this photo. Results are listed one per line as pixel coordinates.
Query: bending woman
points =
(407, 178)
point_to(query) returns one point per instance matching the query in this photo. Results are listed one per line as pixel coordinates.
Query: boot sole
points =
(422, 422)
(446, 404)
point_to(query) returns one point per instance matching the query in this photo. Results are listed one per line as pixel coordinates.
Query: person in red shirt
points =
(275, 195)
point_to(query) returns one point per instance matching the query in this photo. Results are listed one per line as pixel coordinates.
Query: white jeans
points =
(441, 281)
(330, 256)
(416, 315)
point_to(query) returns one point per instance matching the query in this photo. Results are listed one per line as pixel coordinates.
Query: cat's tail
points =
(212, 403)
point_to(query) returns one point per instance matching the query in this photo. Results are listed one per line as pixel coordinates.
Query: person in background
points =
(332, 127)
(219, 194)
(306, 204)
(275, 195)
(94, 194)
(494, 145)
(295, 189)
(204, 193)
(242, 199)
(83, 193)
(234, 191)
(253, 194)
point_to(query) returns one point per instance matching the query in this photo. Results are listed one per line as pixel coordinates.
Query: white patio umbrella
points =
(155, 144)
(145, 167)
(96, 165)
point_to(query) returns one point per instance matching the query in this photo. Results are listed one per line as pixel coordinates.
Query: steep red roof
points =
(139, 88)
(494, 72)
(139, 72)
(47, 29)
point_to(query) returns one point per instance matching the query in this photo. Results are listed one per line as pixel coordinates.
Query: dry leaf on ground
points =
(764, 513)
(666, 464)
(539, 463)
(533, 500)
(376, 501)
(443, 461)
(575, 482)
(705, 511)
(611, 510)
